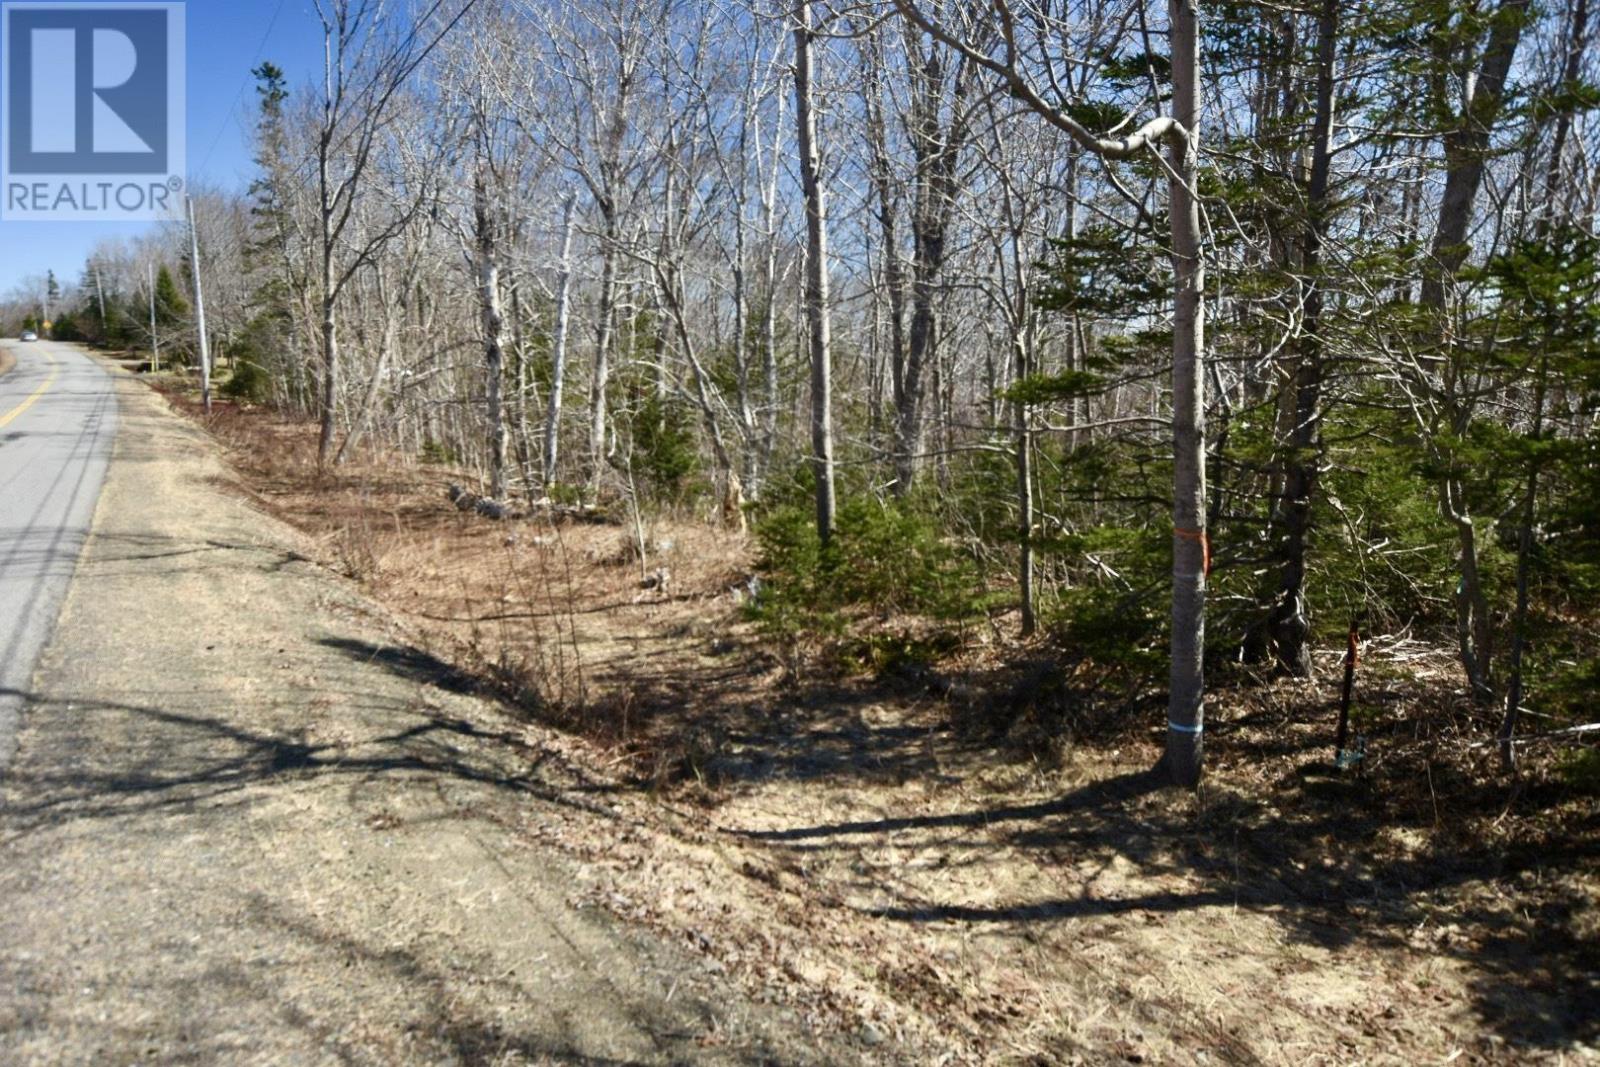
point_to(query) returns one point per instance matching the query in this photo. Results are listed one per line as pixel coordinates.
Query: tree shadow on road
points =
(185, 759)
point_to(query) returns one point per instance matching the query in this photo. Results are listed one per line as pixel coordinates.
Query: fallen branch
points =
(598, 609)
(1571, 731)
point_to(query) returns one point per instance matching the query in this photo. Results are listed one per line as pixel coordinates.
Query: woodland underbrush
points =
(858, 789)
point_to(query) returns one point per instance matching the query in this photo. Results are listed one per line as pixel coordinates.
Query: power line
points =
(272, 24)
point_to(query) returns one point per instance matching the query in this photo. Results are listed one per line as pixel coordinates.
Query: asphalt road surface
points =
(58, 418)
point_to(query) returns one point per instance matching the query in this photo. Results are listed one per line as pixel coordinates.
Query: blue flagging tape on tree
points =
(1350, 757)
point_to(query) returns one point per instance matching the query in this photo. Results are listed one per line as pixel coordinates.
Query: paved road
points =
(58, 417)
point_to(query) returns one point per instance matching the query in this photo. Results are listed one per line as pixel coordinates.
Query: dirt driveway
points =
(247, 824)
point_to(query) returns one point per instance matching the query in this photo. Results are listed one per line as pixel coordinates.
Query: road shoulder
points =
(249, 820)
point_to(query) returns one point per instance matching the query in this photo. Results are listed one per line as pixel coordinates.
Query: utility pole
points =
(100, 292)
(155, 342)
(199, 308)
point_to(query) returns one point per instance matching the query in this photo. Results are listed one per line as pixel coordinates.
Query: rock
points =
(492, 509)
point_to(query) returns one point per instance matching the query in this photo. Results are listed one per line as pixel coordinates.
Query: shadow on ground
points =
(195, 759)
(1307, 856)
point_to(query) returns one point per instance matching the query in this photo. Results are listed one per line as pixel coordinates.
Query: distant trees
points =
(110, 304)
(370, 57)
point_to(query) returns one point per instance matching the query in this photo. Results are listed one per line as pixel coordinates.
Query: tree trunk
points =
(881, 176)
(670, 296)
(816, 290)
(770, 384)
(1519, 629)
(1290, 625)
(1466, 148)
(936, 143)
(493, 324)
(527, 391)
(1474, 637)
(1190, 549)
(741, 337)
(199, 310)
(558, 350)
(1571, 70)
(374, 383)
(920, 349)
(330, 381)
(602, 353)
(1024, 432)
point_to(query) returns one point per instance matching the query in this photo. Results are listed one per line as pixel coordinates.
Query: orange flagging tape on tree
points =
(1205, 544)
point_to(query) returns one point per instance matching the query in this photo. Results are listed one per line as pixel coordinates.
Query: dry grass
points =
(908, 859)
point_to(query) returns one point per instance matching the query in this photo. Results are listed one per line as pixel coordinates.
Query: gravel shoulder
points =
(249, 823)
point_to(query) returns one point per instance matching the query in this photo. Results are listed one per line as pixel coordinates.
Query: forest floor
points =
(919, 859)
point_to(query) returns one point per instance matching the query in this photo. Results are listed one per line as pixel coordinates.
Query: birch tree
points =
(1022, 54)
(369, 56)
(818, 312)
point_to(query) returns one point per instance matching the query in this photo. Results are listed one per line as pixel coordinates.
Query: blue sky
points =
(226, 39)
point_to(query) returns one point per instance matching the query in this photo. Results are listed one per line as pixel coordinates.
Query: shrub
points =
(437, 453)
(67, 328)
(1580, 770)
(665, 450)
(885, 558)
(249, 382)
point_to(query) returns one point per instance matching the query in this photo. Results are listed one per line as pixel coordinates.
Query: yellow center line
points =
(55, 371)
